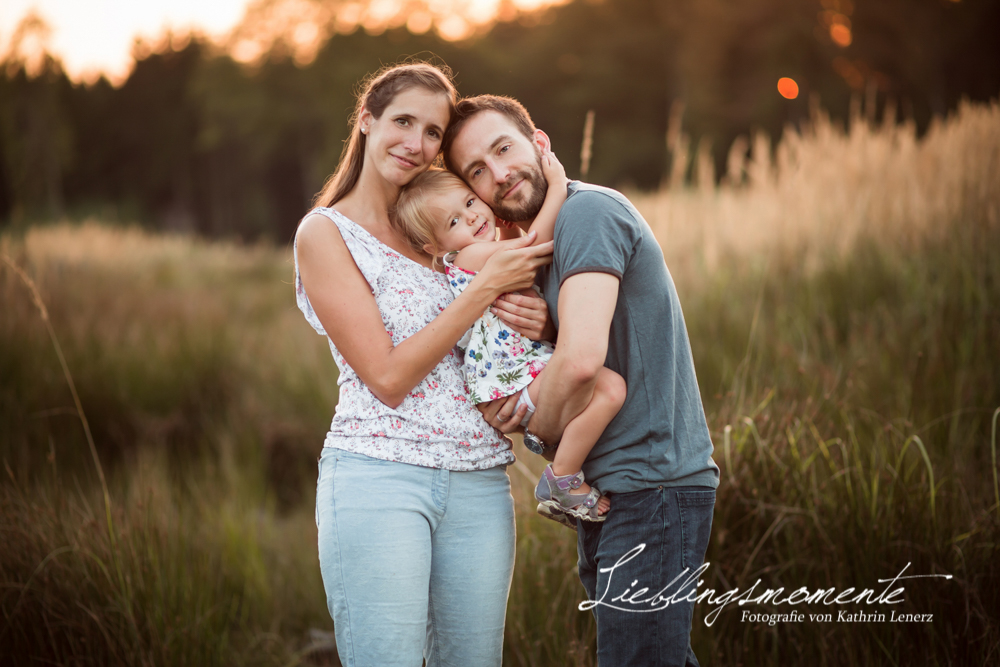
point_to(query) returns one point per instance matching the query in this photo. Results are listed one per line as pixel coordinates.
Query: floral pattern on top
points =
(436, 425)
(499, 362)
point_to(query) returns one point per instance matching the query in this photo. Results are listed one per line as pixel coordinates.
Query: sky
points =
(97, 35)
(94, 37)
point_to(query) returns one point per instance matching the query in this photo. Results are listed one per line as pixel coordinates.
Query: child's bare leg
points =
(583, 431)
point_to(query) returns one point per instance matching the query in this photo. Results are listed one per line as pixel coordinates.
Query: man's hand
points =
(500, 413)
(526, 313)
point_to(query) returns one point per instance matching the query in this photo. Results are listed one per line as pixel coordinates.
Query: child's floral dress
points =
(499, 362)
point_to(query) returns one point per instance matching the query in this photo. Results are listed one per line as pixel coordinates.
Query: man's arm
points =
(586, 305)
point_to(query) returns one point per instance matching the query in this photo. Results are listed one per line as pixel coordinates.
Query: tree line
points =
(194, 140)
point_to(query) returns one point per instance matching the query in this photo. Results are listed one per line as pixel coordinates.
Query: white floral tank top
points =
(498, 361)
(436, 425)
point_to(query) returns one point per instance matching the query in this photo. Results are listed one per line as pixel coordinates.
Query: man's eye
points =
(477, 172)
(503, 149)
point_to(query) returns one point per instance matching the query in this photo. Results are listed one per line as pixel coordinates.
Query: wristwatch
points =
(535, 444)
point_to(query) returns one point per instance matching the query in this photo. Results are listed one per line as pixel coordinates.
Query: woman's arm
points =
(342, 299)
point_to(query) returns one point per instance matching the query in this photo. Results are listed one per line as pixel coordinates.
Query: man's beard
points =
(526, 209)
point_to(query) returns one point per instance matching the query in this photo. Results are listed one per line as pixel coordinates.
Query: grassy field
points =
(842, 292)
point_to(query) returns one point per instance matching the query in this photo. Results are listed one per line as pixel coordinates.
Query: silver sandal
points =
(553, 491)
(556, 515)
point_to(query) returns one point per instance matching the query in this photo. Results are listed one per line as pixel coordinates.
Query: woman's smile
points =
(404, 162)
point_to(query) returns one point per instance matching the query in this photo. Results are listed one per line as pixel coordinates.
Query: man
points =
(614, 304)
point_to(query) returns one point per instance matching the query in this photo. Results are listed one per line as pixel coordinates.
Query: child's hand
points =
(555, 173)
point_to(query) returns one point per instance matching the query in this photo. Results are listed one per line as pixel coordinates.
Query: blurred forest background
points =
(233, 138)
(837, 253)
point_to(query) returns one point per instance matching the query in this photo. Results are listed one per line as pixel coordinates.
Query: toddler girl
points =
(440, 215)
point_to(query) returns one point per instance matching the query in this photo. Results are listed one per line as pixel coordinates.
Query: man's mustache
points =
(511, 182)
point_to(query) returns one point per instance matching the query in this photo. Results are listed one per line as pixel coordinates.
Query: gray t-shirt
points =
(660, 437)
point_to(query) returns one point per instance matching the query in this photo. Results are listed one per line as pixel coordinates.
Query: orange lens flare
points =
(788, 88)
(840, 34)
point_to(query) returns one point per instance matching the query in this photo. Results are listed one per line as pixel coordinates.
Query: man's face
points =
(501, 165)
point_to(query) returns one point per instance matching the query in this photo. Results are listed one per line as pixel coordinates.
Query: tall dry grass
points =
(843, 298)
(821, 188)
(180, 351)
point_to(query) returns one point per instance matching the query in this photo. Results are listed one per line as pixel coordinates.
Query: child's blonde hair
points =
(411, 217)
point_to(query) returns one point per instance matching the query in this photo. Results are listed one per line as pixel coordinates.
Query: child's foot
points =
(556, 492)
(603, 503)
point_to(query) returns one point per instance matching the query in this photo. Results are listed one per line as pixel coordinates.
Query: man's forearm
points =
(586, 306)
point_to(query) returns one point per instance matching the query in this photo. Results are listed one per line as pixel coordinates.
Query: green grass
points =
(851, 395)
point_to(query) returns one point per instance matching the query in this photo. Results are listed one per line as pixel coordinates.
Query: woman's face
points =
(407, 137)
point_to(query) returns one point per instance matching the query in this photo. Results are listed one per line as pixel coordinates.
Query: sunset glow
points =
(93, 37)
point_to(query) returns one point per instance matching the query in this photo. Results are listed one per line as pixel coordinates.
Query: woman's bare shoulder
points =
(318, 229)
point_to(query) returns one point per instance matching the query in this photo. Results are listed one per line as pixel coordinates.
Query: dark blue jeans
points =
(636, 627)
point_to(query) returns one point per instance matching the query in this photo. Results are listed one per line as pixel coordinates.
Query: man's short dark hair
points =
(470, 106)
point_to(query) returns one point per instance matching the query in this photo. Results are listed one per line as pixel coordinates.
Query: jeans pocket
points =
(696, 509)
(327, 463)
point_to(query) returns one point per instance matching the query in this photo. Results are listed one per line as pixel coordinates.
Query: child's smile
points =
(464, 219)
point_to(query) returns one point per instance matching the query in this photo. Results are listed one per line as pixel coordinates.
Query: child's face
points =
(463, 219)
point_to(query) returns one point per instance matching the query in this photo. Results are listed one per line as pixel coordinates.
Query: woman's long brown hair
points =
(377, 94)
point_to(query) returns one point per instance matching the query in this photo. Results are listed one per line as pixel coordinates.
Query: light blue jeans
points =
(416, 562)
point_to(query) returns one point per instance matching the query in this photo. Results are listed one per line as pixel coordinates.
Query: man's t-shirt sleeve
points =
(597, 235)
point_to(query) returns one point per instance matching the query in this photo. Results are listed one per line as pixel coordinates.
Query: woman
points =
(415, 517)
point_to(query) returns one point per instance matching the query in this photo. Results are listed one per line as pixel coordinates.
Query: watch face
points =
(533, 443)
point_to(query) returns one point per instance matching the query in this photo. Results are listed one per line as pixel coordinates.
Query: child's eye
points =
(452, 222)
(471, 201)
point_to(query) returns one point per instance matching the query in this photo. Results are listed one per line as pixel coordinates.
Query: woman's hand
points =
(526, 313)
(513, 268)
(500, 413)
